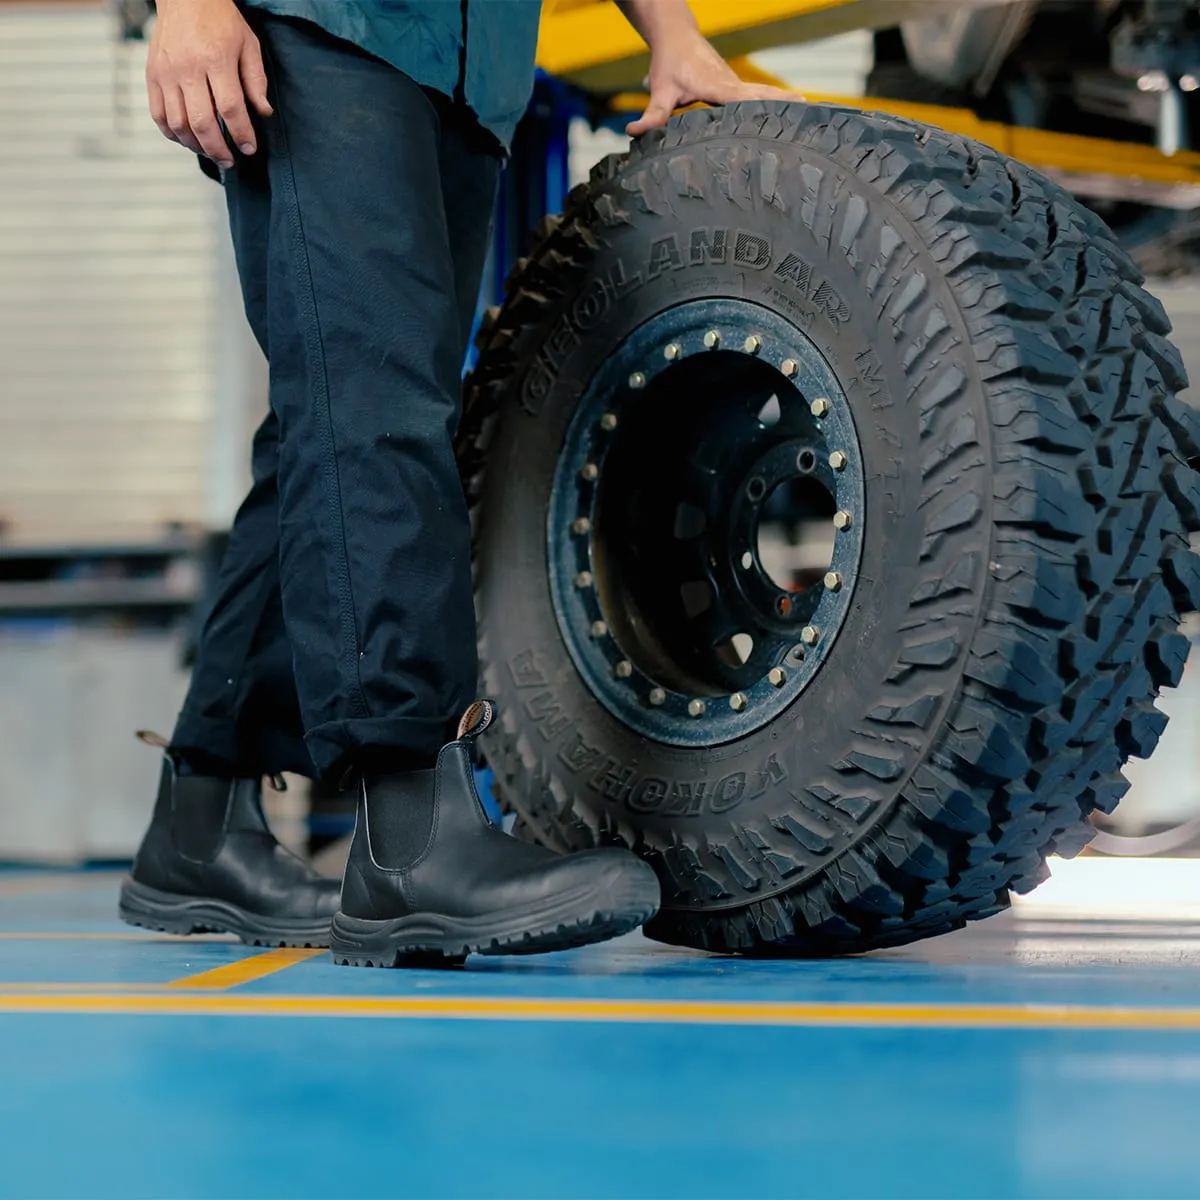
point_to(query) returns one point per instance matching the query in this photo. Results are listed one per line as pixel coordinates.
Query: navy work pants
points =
(343, 631)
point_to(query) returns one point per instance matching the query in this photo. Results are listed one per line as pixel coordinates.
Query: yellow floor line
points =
(256, 966)
(494, 1008)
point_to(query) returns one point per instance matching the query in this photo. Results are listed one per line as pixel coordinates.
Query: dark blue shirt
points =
(424, 39)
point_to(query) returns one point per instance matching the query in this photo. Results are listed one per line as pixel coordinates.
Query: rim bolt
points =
(737, 701)
(672, 352)
(837, 460)
(623, 669)
(777, 677)
(589, 472)
(712, 339)
(695, 708)
(789, 367)
(608, 422)
(753, 344)
(657, 696)
(747, 561)
(637, 380)
(842, 520)
(796, 654)
(819, 407)
(584, 579)
(832, 581)
(580, 526)
(809, 635)
(599, 629)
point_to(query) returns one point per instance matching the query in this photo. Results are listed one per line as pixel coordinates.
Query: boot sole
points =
(563, 923)
(166, 912)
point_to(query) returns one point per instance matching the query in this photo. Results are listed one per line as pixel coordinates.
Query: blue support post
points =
(535, 182)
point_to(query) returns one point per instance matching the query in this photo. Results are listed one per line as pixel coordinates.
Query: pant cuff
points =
(335, 745)
(217, 745)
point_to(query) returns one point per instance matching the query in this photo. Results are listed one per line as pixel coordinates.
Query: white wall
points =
(108, 303)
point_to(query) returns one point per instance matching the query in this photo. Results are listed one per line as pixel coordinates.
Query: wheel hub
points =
(705, 527)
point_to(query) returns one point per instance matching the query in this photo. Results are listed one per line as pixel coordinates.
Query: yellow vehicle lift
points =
(589, 43)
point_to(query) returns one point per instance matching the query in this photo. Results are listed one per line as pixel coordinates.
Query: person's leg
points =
(427, 873)
(368, 310)
(366, 352)
(208, 860)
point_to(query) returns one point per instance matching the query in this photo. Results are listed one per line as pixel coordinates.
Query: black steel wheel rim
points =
(715, 444)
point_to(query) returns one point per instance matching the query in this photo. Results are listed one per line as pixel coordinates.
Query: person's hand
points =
(686, 69)
(205, 61)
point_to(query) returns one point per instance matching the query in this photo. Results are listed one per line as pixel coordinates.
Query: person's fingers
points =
(177, 119)
(158, 108)
(728, 90)
(658, 113)
(254, 76)
(230, 101)
(202, 120)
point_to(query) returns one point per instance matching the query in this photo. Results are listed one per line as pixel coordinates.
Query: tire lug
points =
(777, 677)
(623, 669)
(696, 708)
(672, 352)
(753, 344)
(842, 520)
(809, 635)
(584, 579)
(608, 422)
(819, 407)
(789, 367)
(589, 472)
(581, 526)
(712, 339)
(657, 696)
(599, 629)
(832, 581)
(837, 460)
(737, 701)
(637, 380)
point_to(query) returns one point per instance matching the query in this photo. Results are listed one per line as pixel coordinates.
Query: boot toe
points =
(622, 879)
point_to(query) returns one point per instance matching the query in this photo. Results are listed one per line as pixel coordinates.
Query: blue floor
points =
(1026, 1057)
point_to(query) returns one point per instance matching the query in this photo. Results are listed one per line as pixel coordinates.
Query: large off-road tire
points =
(863, 316)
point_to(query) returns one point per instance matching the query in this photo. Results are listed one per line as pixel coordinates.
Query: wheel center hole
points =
(795, 532)
(693, 447)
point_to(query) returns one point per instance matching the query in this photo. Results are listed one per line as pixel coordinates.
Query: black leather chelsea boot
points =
(209, 863)
(429, 877)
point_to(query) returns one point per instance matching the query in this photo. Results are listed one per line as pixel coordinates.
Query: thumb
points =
(254, 76)
(657, 114)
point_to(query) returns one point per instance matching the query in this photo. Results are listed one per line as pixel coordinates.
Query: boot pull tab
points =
(476, 719)
(149, 738)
